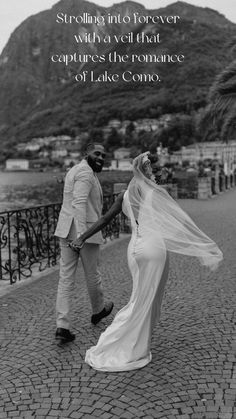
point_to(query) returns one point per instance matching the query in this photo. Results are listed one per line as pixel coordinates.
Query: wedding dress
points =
(125, 344)
(159, 226)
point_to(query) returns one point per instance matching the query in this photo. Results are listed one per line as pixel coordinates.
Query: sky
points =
(14, 12)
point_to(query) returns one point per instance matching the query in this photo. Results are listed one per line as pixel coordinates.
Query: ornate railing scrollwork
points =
(27, 241)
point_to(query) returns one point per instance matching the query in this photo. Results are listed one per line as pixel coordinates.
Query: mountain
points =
(39, 97)
(201, 14)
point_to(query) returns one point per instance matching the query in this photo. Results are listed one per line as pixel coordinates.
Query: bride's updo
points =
(142, 166)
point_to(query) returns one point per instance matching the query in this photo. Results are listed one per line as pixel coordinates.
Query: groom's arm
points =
(101, 223)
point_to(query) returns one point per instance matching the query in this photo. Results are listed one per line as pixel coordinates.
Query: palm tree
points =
(220, 112)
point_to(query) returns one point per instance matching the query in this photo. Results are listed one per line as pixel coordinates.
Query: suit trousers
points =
(89, 255)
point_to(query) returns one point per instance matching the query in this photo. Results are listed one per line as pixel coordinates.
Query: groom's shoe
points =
(64, 335)
(104, 313)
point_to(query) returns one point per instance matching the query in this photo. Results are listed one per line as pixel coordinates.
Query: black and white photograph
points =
(118, 209)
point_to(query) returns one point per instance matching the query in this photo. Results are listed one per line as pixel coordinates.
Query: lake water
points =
(24, 189)
(21, 189)
(27, 178)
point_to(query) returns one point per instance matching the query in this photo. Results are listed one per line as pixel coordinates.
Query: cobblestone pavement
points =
(193, 372)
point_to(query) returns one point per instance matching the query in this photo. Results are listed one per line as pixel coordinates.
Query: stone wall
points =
(209, 186)
(191, 186)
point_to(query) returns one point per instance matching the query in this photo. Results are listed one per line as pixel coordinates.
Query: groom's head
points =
(95, 155)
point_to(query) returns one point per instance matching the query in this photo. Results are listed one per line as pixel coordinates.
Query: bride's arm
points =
(100, 224)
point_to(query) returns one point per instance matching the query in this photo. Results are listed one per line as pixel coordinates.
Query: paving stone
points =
(192, 374)
(211, 415)
(54, 413)
(76, 415)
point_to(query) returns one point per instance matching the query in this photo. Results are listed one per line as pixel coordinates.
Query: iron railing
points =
(27, 241)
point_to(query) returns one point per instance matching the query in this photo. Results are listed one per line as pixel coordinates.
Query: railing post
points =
(0, 254)
(9, 247)
(18, 245)
(48, 239)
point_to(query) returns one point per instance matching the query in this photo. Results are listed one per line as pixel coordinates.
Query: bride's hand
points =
(76, 244)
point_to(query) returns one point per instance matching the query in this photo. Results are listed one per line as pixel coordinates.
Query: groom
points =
(82, 206)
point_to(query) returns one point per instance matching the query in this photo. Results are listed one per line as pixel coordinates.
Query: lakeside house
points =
(224, 153)
(17, 164)
(122, 153)
(122, 160)
(121, 164)
(139, 125)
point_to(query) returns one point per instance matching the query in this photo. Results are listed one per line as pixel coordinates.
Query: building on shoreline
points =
(224, 153)
(17, 164)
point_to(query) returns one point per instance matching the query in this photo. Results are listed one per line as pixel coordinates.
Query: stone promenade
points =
(193, 372)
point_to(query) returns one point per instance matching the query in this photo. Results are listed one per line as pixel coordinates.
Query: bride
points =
(159, 226)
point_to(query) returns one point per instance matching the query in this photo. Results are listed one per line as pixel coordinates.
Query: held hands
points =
(76, 245)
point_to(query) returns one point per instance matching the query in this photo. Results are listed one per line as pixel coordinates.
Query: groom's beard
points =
(95, 164)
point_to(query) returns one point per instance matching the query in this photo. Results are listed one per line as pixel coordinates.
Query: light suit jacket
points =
(82, 203)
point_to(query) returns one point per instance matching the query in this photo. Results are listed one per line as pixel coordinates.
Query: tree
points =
(180, 131)
(96, 134)
(113, 140)
(220, 112)
(130, 129)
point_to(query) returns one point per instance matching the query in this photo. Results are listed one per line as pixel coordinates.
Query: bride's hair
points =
(139, 161)
(140, 165)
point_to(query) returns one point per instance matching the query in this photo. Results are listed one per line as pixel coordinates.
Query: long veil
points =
(160, 213)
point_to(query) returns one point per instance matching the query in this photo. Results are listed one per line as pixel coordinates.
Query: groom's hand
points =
(76, 244)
